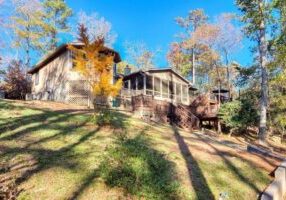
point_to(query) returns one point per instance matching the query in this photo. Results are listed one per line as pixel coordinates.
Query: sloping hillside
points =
(52, 151)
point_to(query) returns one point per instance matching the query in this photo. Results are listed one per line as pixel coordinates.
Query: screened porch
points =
(158, 87)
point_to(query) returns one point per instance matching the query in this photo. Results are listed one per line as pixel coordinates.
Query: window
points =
(37, 78)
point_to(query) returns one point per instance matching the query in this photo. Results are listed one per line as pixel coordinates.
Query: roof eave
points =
(63, 47)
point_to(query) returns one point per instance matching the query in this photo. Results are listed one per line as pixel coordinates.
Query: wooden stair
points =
(185, 118)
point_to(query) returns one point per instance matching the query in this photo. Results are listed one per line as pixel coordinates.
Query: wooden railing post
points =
(144, 84)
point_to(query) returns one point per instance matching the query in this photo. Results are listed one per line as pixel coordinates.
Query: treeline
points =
(203, 53)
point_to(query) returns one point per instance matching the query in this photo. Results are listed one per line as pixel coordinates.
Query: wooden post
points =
(168, 89)
(136, 85)
(153, 85)
(188, 95)
(129, 87)
(144, 84)
(181, 92)
(161, 88)
(175, 91)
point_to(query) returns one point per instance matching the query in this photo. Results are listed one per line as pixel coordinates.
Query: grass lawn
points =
(58, 154)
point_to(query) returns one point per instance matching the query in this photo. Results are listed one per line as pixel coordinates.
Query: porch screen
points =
(149, 85)
(178, 92)
(157, 86)
(165, 88)
(185, 93)
(140, 82)
(133, 84)
(149, 80)
(172, 89)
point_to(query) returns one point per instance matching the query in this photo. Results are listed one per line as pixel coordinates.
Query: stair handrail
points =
(189, 112)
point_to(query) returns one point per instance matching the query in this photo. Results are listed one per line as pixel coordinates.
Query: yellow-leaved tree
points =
(94, 62)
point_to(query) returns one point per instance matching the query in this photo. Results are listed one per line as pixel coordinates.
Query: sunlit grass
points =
(57, 155)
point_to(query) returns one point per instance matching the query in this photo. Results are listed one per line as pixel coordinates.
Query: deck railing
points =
(157, 95)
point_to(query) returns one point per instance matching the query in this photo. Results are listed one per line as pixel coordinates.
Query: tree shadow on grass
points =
(236, 171)
(46, 158)
(196, 175)
(132, 164)
(38, 158)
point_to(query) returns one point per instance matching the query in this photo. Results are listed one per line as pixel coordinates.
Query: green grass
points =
(142, 171)
(62, 155)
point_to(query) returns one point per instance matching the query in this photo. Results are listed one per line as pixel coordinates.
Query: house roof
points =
(52, 55)
(160, 70)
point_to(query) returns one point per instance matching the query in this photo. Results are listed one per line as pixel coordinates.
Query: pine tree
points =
(57, 13)
(27, 24)
(191, 23)
(256, 15)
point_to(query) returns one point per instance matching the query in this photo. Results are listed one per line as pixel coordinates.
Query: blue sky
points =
(152, 21)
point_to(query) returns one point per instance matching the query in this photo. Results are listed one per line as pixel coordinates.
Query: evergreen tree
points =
(27, 23)
(191, 23)
(57, 13)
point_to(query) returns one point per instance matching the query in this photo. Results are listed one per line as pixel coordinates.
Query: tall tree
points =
(228, 41)
(57, 13)
(278, 70)
(98, 27)
(27, 23)
(194, 20)
(256, 14)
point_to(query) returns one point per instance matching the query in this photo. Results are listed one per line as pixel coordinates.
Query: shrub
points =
(16, 83)
(139, 169)
(238, 115)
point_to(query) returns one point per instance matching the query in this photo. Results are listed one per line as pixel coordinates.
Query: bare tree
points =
(228, 40)
(98, 27)
(139, 55)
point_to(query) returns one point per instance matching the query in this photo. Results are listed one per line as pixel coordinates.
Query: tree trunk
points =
(282, 134)
(264, 76)
(219, 84)
(193, 67)
(227, 73)
(27, 51)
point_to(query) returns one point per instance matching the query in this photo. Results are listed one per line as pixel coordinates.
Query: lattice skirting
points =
(79, 93)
